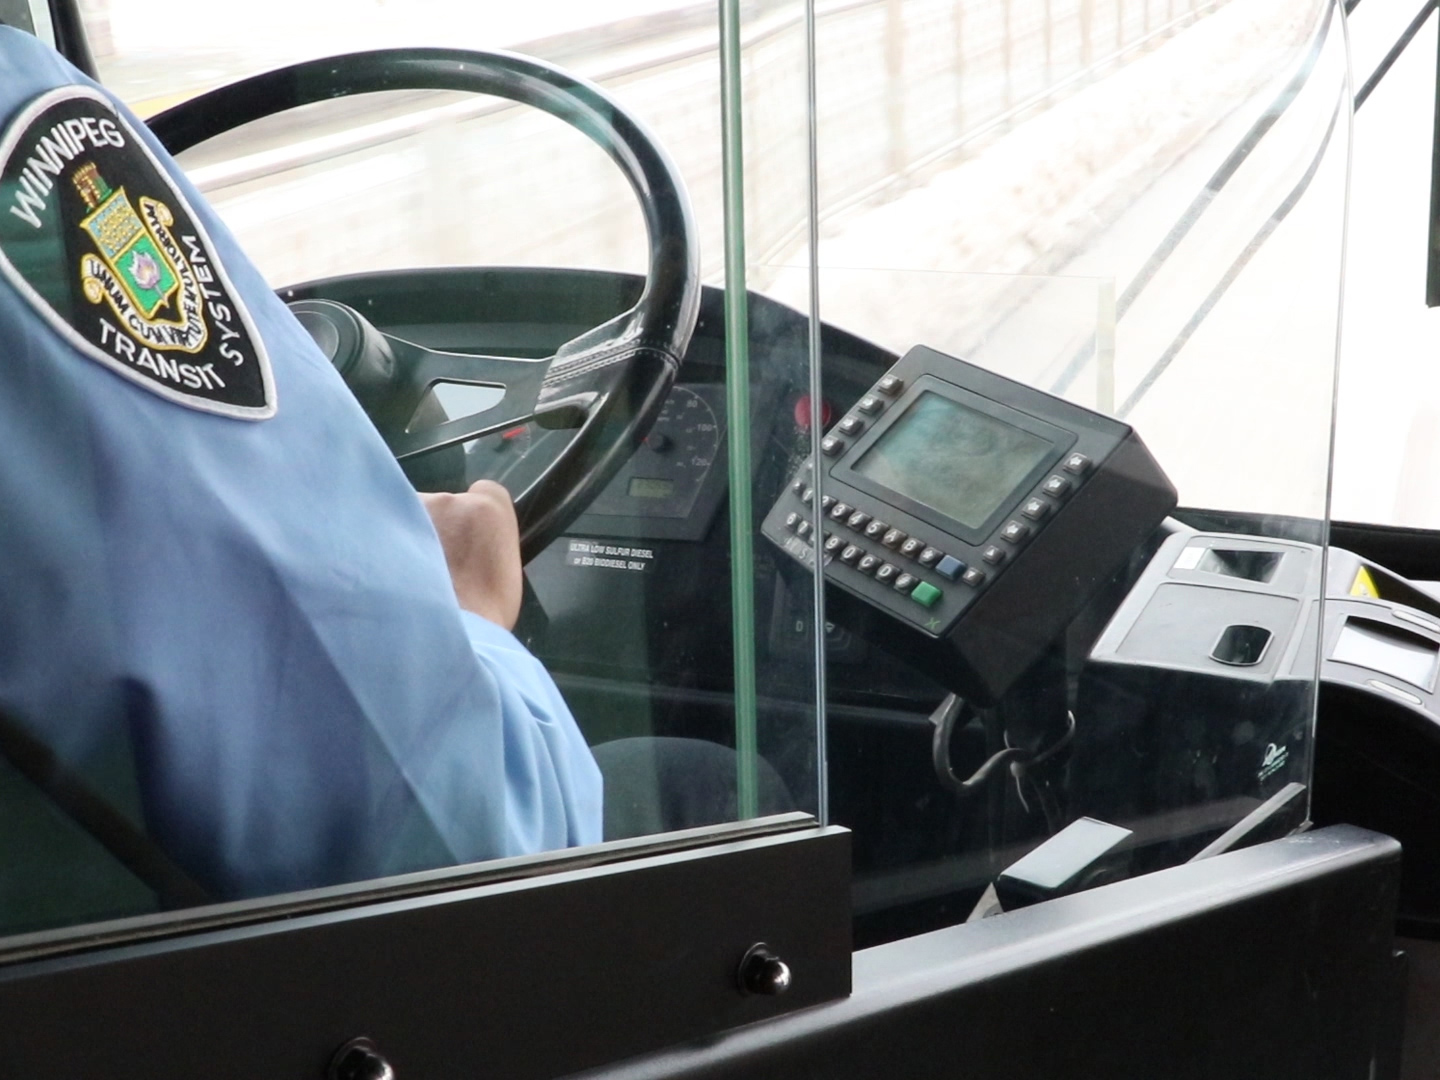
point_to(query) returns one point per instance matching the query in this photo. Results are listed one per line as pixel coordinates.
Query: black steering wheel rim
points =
(610, 382)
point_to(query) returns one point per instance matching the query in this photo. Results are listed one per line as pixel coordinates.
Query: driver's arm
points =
(480, 536)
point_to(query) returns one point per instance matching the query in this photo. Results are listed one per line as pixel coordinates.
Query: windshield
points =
(1006, 419)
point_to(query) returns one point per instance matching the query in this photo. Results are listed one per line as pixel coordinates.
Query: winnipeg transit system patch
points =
(97, 237)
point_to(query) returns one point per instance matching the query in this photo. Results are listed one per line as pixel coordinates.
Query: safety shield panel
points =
(1073, 525)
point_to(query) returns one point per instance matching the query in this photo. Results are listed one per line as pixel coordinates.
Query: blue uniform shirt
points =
(258, 606)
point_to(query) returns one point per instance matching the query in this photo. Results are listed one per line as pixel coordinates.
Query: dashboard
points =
(631, 608)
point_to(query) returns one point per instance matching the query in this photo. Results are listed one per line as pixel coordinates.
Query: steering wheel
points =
(607, 385)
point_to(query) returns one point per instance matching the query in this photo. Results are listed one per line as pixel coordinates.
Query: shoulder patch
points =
(96, 236)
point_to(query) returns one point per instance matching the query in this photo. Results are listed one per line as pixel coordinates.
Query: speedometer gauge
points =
(663, 477)
(674, 480)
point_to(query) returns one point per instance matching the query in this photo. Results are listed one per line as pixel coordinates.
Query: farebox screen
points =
(1388, 650)
(954, 459)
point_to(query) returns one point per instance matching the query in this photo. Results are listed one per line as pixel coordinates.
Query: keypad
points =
(866, 543)
(921, 568)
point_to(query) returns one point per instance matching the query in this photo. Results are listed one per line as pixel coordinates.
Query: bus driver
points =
(207, 550)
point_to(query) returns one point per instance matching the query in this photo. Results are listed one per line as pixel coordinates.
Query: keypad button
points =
(852, 425)
(1057, 487)
(840, 511)
(876, 529)
(993, 555)
(791, 520)
(827, 501)
(911, 547)
(1035, 509)
(798, 484)
(804, 530)
(868, 564)
(807, 496)
(851, 554)
(870, 404)
(974, 577)
(905, 582)
(833, 544)
(830, 445)
(1015, 531)
(930, 556)
(887, 573)
(858, 520)
(1078, 464)
(890, 386)
(925, 594)
(950, 567)
(892, 539)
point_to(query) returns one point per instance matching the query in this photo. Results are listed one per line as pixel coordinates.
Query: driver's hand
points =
(481, 539)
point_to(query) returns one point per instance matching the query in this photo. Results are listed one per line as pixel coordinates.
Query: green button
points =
(925, 594)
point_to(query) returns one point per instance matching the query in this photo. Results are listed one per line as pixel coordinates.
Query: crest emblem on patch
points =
(97, 237)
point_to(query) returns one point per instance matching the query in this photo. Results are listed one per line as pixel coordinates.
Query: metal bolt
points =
(762, 972)
(359, 1059)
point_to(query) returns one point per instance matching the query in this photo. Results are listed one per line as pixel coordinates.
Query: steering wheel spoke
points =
(437, 379)
(426, 367)
(422, 437)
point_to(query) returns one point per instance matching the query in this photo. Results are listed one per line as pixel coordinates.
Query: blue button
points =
(950, 567)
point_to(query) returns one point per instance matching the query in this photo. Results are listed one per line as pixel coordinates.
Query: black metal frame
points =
(1277, 961)
(70, 38)
(531, 978)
